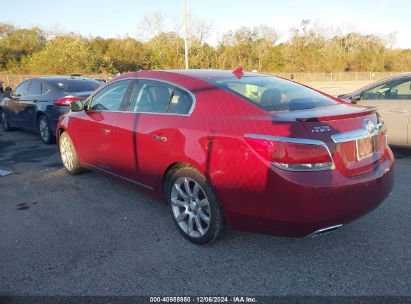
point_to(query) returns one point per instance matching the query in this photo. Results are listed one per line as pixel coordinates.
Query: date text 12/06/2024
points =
(239, 299)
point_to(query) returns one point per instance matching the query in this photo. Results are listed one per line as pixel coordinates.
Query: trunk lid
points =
(83, 94)
(351, 132)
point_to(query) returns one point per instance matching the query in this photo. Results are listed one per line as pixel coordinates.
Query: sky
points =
(119, 18)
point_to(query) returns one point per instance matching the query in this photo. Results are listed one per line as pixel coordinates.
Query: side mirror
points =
(77, 106)
(394, 91)
(355, 99)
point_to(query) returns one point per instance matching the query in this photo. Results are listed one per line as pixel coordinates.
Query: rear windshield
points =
(78, 85)
(274, 94)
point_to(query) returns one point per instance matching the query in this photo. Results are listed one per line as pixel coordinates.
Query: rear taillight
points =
(292, 154)
(65, 101)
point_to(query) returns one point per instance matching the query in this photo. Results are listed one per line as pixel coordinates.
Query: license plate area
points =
(366, 147)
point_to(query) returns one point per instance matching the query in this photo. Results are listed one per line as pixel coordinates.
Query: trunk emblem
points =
(369, 125)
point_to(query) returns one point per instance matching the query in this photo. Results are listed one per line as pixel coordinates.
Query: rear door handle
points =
(105, 131)
(161, 138)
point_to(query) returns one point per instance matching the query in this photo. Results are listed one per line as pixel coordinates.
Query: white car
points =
(392, 97)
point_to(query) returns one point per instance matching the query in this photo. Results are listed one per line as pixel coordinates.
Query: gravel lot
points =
(91, 235)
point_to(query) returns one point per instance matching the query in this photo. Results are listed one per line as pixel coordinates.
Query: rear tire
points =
(45, 130)
(68, 155)
(194, 205)
(4, 122)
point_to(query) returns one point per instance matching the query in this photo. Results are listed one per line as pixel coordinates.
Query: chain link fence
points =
(14, 80)
(337, 76)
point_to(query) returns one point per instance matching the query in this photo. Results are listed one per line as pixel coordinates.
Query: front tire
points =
(194, 205)
(68, 155)
(45, 130)
(4, 122)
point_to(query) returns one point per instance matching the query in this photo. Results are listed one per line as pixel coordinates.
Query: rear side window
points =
(159, 97)
(111, 97)
(21, 90)
(35, 88)
(45, 88)
(274, 94)
(78, 85)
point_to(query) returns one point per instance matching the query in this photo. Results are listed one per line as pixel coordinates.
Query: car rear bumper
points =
(297, 204)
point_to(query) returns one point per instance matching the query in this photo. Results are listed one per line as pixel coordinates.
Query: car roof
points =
(61, 78)
(210, 73)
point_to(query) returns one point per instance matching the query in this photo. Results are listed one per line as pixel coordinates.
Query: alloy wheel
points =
(67, 155)
(191, 208)
(44, 129)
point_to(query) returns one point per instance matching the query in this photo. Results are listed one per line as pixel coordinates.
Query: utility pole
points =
(185, 34)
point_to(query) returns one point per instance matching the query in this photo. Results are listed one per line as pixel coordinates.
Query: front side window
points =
(35, 88)
(274, 94)
(21, 90)
(394, 89)
(111, 97)
(159, 97)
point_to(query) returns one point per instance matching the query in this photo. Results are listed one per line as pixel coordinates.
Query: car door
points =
(392, 99)
(13, 105)
(148, 130)
(95, 135)
(28, 105)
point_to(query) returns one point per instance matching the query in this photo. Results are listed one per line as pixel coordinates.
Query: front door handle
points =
(161, 138)
(105, 131)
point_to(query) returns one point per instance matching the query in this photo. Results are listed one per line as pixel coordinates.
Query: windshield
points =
(274, 94)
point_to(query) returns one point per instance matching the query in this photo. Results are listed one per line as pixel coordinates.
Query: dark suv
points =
(37, 103)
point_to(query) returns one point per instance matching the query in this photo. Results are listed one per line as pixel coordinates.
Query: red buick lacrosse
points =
(248, 150)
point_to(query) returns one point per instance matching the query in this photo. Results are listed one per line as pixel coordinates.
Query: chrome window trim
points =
(193, 97)
(297, 141)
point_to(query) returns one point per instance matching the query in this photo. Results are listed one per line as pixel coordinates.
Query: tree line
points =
(308, 49)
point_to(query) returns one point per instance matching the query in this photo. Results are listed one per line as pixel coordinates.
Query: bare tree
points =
(152, 25)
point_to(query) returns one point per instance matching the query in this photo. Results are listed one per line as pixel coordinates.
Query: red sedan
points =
(252, 151)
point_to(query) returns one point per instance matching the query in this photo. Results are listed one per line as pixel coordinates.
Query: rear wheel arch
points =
(170, 169)
(60, 132)
(38, 115)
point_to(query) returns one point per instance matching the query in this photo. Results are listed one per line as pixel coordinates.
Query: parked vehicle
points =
(392, 96)
(37, 103)
(253, 151)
